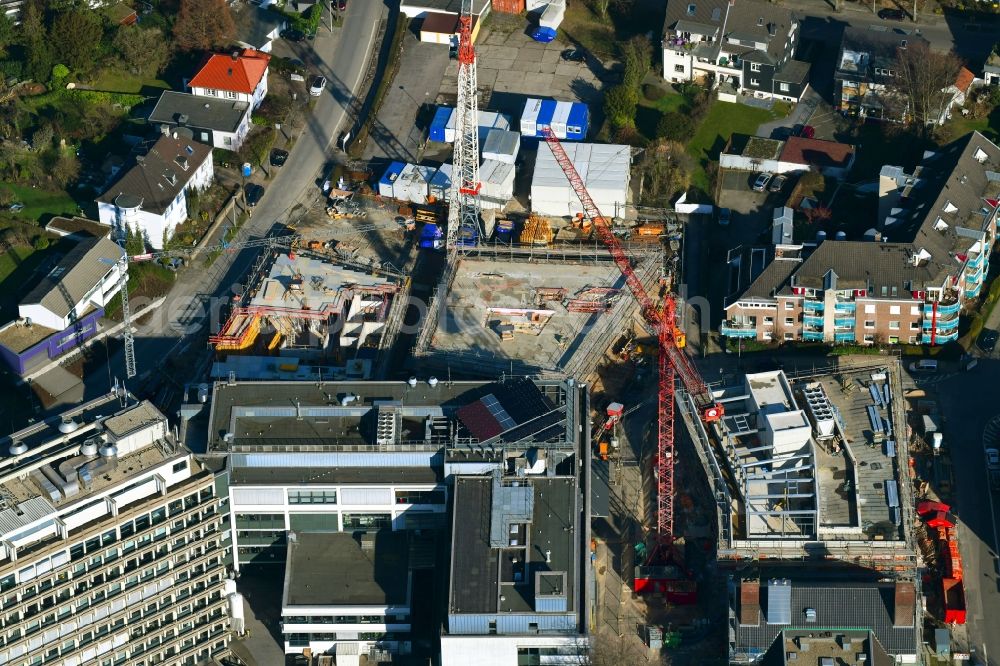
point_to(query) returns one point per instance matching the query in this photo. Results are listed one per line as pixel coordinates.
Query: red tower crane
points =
(672, 362)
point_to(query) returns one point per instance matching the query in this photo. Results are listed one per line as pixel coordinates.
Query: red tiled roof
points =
(964, 80)
(816, 152)
(240, 74)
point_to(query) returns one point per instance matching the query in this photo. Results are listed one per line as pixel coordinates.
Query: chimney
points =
(749, 609)
(904, 604)
(235, 55)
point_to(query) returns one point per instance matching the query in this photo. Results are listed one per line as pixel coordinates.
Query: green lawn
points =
(723, 120)
(40, 203)
(649, 112)
(666, 104)
(10, 260)
(112, 80)
(990, 126)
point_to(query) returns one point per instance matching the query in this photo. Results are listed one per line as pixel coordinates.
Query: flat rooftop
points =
(18, 338)
(284, 415)
(342, 569)
(487, 293)
(490, 579)
(330, 475)
(302, 282)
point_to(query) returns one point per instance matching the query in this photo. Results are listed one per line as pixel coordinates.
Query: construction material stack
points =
(941, 523)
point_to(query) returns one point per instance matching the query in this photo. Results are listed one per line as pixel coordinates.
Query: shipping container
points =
(501, 146)
(508, 6)
(545, 114)
(552, 16)
(529, 116)
(560, 118)
(439, 124)
(497, 180)
(487, 120)
(387, 183)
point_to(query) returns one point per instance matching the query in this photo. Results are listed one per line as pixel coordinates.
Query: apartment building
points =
(113, 548)
(866, 66)
(742, 46)
(926, 259)
(358, 475)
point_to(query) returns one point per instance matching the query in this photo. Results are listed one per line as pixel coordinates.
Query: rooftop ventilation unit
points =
(17, 448)
(89, 447)
(820, 410)
(68, 425)
(385, 426)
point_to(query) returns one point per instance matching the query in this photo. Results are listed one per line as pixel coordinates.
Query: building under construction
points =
(521, 309)
(812, 467)
(311, 307)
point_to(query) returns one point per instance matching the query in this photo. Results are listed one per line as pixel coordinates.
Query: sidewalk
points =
(925, 16)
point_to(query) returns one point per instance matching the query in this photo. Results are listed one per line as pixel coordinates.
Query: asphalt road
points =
(969, 403)
(343, 58)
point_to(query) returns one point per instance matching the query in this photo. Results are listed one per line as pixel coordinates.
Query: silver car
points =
(317, 86)
(763, 179)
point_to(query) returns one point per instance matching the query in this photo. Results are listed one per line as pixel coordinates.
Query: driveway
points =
(800, 115)
(343, 58)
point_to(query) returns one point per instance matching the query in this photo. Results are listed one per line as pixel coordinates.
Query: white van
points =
(925, 366)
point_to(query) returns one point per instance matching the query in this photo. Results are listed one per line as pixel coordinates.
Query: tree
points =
(619, 105)
(675, 126)
(637, 55)
(257, 146)
(66, 169)
(134, 242)
(203, 24)
(144, 51)
(35, 39)
(921, 80)
(7, 32)
(818, 215)
(79, 35)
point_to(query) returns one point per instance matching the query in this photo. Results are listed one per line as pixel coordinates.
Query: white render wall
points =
(98, 296)
(605, 170)
(502, 650)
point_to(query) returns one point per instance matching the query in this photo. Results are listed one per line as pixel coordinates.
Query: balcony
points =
(813, 336)
(845, 307)
(974, 293)
(812, 321)
(942, 309)
(975, 262)
(942, 324)
(844, 323)
(844, 336)
(940, 338)
(813, 306)
(737, 330)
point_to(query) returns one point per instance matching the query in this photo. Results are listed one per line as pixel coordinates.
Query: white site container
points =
(529, 117)
(560, 118)
(553, 16)
(501, 146)
(440, 185)
(497, 180)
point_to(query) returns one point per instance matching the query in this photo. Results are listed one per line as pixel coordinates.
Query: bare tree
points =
(922, 79)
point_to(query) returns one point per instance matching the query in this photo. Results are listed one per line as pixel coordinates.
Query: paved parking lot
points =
(513, 66)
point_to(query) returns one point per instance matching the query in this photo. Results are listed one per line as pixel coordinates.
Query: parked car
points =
(777, 183)
(293, 35)
(341, 5)
(317, 85)
(891, 14)
(16, 207)
(924, 366)
(253, 193)
(987, 340)
(763, 179)
(992, 459)
(278, 157)
(724, 216)
(572, 55)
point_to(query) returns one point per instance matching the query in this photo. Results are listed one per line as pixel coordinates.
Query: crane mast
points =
(672, 362)
(463, 213)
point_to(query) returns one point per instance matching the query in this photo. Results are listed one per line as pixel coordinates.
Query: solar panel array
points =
(498, 412)
(779, 601)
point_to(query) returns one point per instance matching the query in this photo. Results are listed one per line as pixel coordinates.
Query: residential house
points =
(220, 123)
(957, 93)
(743, 46)
(150, 194)
(62, 310)
(822, 619)
(236, 77)
(865, 69)
(256, 27)
(794, 155)
(991, 70)
(926, 257)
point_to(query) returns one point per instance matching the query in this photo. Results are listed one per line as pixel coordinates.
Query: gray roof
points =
(847, 605)
(793, 71)
(157, 177)
(951, 175)
(478, 572)
(878, 42)
(771, 280)
(748, 20)
(255, 25)
(134, 418)
(328, 475)
(865, 265)
(77, 273)
(335, 569)
(177, 108)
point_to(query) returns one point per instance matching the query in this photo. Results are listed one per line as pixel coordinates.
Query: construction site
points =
(309, 305)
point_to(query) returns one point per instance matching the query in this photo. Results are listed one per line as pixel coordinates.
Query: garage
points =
(604, 168)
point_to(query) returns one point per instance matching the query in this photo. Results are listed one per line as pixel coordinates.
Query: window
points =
(894, 309)
(789, 321)
(789, 336)
(679, 69)
(419, 497)
(869, 309)
(691, 9)
(914, 325)
(180, 466)
(869, 323)
(754, 82)
(789, 305)
(366, 521)
(755, 67)
(784, 87)
(893, 325)
(768, 321)
(915, 310)
(869, 337)
(312, 496)
(913, 339)
(210, 93)
(230, 94)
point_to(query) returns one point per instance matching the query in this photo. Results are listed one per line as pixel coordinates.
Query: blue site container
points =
(430, 237)
(440, 123)
(578, 121)
(468, 236)
(545, 114)
(387, 183)
(505, 230)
